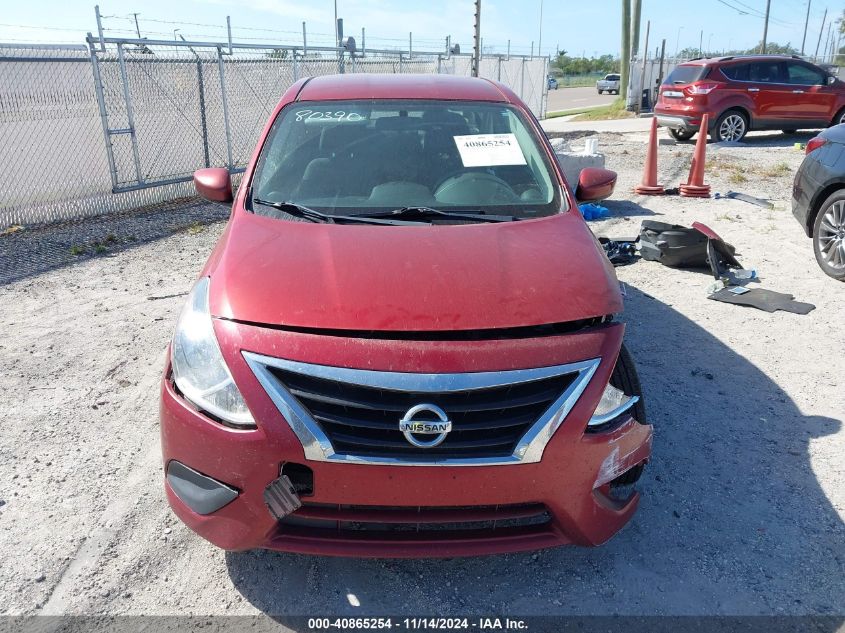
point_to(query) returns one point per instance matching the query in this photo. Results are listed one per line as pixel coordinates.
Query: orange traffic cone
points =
(649, 186)
(695, 187)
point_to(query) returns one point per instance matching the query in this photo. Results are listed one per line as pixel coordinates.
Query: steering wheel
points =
(496, 189)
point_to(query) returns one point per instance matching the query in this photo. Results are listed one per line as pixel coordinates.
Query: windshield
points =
(359, 157)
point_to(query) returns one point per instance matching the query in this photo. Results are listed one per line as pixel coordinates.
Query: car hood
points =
(399, 278)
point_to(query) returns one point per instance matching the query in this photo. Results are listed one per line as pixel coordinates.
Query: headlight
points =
(614, 402)
(199, 370)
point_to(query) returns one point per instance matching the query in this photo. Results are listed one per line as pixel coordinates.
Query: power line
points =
(45, 28)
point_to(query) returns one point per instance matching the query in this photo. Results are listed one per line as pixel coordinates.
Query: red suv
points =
(763, 92)
(404, 343)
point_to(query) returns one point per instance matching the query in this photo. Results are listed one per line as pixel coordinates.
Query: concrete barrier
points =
(572, 162)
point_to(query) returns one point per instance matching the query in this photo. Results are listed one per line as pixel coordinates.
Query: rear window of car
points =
(767, 72)
(612, 78)
(737, 72)
(686, 74)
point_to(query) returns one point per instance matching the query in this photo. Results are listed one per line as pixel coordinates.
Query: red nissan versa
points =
(743, 93)
(404, 343)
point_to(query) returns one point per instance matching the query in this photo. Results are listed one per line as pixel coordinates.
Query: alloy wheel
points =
(732, 128)
(831, 235)
(842, 117)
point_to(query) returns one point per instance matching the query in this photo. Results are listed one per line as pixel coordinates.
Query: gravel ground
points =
(744, 499)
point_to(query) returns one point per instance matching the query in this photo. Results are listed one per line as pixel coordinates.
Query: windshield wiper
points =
(301, 211)
(428, 212)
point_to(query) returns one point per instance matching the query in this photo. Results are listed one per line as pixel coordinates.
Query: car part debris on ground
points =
(744, 197)
(762, 299)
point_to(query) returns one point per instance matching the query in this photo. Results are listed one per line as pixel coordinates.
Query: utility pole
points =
(137, 29)
(476, 39)
(766, 27)
(540, 39)
(824, 19)
(829, 25)
(304, 40)
(625, 61)
(701, 43)
(806, 22)
(636, 13)
(662, 59)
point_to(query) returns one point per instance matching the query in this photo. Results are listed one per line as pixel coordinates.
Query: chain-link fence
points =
(51, 139)
(86, 130)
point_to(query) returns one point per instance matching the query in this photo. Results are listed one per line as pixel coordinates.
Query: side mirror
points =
(214, 184)
(595, 184)
(831, 80)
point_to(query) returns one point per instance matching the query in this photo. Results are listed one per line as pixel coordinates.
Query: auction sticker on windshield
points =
(489, 150)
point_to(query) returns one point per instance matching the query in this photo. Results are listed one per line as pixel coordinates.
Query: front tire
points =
(829, 235)
(681, 135)
(731, 126)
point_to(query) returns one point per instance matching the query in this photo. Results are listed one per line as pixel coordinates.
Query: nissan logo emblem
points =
(411, 425)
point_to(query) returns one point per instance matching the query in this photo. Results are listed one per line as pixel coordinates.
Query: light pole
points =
(175, 31)
(540, 38)
(678, 41)
(709, 38)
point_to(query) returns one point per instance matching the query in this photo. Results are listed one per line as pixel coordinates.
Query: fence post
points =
(203, 122)
(130, 114)
(522, 80)
(225, 108)
(499, 69)
(439, 62)
(101, 105)
(400, 63)
(295, 67)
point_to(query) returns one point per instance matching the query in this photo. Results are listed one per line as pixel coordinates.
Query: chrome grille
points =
(353, 415)
(365, 420)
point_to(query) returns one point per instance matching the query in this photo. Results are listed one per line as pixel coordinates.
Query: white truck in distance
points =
(609, 84)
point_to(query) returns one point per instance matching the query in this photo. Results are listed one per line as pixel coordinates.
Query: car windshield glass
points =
(685, 75)
(360, 157)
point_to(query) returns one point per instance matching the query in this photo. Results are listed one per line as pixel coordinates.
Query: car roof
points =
(705, 61)
(389, 86)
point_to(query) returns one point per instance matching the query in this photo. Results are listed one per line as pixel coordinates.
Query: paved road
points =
(570, 98)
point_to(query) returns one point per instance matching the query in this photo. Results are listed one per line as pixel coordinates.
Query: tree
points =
(586, 65)
(773, 48)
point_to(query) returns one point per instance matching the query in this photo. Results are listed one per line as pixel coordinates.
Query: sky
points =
(581, 28)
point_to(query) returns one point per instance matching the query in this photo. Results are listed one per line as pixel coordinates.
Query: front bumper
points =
(570, 481)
